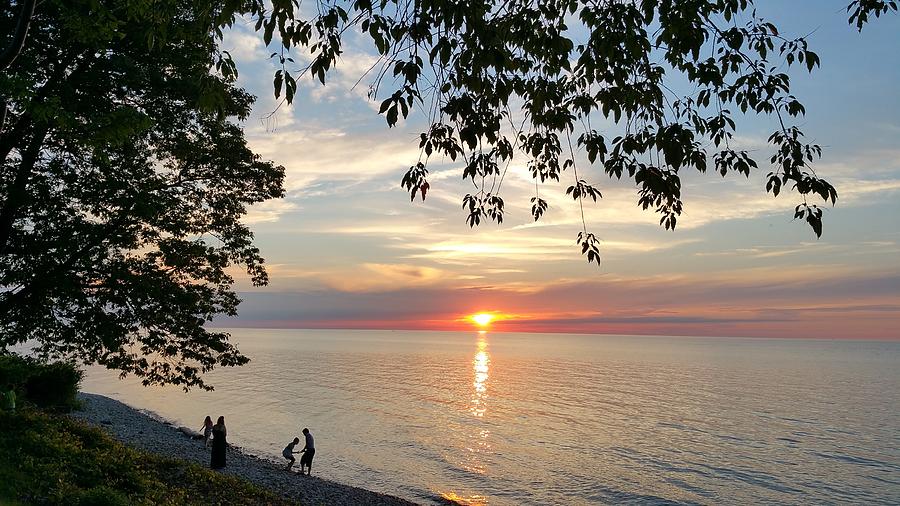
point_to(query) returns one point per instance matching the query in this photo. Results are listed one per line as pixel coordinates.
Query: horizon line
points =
(582, 333)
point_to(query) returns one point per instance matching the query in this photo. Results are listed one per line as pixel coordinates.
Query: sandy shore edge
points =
(148, 432)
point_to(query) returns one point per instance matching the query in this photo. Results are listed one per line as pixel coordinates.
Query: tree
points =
(12, 49)
(564, 63)
(123, 182)
(123, 188)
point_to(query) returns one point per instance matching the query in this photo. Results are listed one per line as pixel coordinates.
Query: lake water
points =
(562, 419)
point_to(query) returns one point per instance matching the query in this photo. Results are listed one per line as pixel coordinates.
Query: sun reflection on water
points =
(477, 447)
(475, 500)
(481, 365)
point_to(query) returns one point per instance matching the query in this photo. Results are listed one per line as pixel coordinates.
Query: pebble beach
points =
(147, 432)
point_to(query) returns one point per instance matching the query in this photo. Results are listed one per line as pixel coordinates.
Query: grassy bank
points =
(48, 458)
(51, 459)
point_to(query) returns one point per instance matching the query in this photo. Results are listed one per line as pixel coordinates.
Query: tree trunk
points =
(16, 195)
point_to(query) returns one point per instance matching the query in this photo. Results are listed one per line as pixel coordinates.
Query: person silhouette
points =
(217, 458)
(8, 398)
(308, 452)
(207, 430)
(289, 452)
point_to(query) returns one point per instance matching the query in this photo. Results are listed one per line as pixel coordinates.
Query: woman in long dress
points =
(217, 461)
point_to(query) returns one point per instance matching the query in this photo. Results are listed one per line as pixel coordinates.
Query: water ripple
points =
(515, 419)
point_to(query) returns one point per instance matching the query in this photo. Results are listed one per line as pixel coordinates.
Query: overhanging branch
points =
(14, 47)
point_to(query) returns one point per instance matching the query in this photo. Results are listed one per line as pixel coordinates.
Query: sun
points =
(482, 319)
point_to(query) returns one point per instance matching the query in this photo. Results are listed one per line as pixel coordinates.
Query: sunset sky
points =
(346, 248)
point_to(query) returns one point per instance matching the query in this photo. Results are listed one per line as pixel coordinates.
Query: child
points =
(289, 452)
(207, 430)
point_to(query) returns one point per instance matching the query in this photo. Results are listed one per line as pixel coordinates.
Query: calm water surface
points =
(563, 419)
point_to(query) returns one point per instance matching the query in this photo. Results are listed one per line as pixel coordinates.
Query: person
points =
(289, 452)
(8, 398)
(217, 459)
(308, 452)
(207, 430)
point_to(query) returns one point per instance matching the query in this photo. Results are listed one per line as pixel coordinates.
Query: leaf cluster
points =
(566, 64)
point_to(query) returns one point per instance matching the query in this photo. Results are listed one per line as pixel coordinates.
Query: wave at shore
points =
(147, 432)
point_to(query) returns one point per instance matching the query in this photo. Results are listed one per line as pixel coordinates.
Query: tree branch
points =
(14, 47)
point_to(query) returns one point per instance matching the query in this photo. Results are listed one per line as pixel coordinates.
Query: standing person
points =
(289, 452)
(217, 460)
(308, 452)
(207, 430)
(8, 398)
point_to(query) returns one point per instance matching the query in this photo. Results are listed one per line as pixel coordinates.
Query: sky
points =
(347, 249)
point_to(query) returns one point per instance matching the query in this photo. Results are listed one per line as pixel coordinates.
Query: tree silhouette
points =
(124, 184)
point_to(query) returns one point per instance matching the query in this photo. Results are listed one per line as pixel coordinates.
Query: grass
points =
(52, 459)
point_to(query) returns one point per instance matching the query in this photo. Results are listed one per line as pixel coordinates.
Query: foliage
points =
(56, 460)
(123, 185)
(51, 386)
(643, 88)
(14, 370)
(54, 386)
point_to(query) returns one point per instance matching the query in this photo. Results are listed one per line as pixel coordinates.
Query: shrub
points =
(102, 496)
(52, 386)
(14, 369)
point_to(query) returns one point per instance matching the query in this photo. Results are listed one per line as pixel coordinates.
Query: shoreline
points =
(148, 431)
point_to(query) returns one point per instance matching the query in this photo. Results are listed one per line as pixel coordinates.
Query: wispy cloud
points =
(833, 304)
(371, 277)
(269, 211)
(311, 154)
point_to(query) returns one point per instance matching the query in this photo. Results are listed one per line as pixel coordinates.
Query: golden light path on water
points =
(481, 364)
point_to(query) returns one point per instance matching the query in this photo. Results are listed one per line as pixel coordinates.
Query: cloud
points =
(812, 302)
(349, 79)
(513, 248)
(245, 45)
(269, 211)
(311, 154)
(371, 276)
